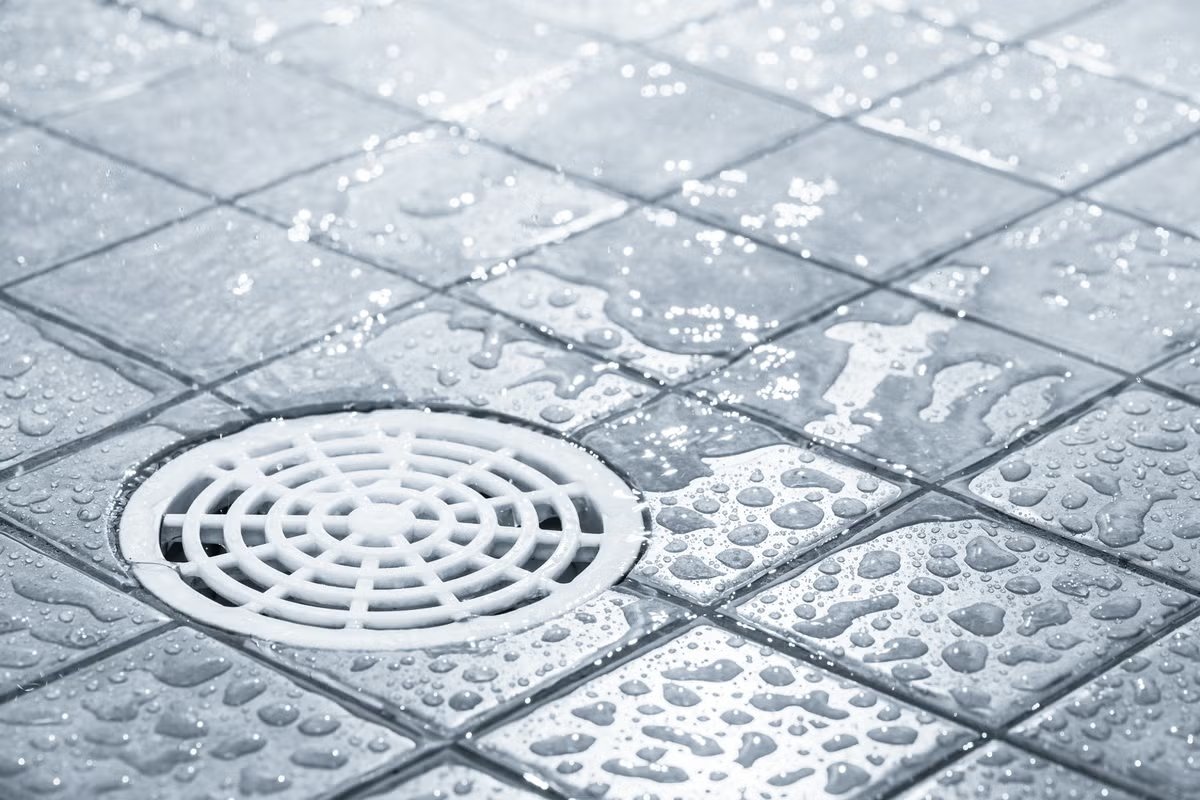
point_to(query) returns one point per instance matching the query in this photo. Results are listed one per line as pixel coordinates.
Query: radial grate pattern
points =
(388, 529)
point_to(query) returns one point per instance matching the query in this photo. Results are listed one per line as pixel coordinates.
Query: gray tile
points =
(185, 714)
(234, 125)
(978, 618)
(895, 381)
(636, 124)
(435, 206)
(625, 19)
(58, 386)
(399, 53)
(54, 616)
(1157, 42)
(858, 200)
(1136, 722)
(64, 54)
(74, 502)
(453, 780)
(58, 201)
(839, 57)
(1024, 114)
(1004, 772)
(443, 352)
(1092, 281)
(711, 715)
(1183, 373)
(1120, 478)
(449, 688)
(216, 293)
(751, 503)
(251, 22)
(662, 293)
(1003, 20)
(1162, 189)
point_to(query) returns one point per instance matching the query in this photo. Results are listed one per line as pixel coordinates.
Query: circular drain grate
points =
(389, 529)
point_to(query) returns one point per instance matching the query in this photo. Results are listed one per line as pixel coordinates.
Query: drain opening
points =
(389, 529)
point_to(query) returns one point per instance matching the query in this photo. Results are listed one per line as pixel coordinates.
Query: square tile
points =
(184, 713)
(858, 200)
(1092, 281)
(74, 502)
(458, 781)
(60, 201)
(897, 382)
(216, 293)
(446, 353)
(732, 501)
(1157, 42)
(1136, 722)
(235, 125)
(435, 206)
(54, 616)
(57, 386)
(399, 53)
(1121, 478)
(711, 715)
(662, 293)
(64, 54)
(625, 19)
(1160, 189)
(976, 617)
(839, 57)
(1001, 771)
(1183, 374)
(249, 23)
(1020, 113)
(451, 688)
(1002, 20)
(639, 125)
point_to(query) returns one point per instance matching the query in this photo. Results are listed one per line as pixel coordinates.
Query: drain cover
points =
(390, 529)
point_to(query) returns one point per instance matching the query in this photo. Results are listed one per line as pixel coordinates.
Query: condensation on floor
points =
(887, 308)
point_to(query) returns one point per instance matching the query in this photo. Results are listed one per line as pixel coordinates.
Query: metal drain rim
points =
(612, 555)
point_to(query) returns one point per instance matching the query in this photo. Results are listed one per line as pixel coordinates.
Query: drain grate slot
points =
(389, 529)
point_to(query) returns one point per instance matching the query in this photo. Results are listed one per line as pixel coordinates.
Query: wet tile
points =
(85, 200)
(839, 57)
(58, 386)
(1001, 772)
(660, 125)
(1119, 478)
(450, 688)
(1135, 722)
(1158, 43)
(858, 200)
(1095, 282)
(711, 715)
(1160, 189)
(183, 127)
(399, 53)
(991, 619)
(895, 381)
(1003, 20)
(183, 713)
(625, 19)
(63, 54)
(443, 352)
(54, 616)
(1021, 113)
(1183, 373)
(730, 500)
(73, 503)
(206, 295)
(452, 780)
(435, 206)
(662, 293)
(251, 22)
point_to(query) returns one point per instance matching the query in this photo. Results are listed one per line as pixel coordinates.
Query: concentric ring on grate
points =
(382, 530)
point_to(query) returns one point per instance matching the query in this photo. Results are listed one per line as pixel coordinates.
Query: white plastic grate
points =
(383, 530)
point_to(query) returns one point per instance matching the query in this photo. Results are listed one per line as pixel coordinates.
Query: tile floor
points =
(888, 308)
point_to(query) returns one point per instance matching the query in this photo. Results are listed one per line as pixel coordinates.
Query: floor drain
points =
(389, 529)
